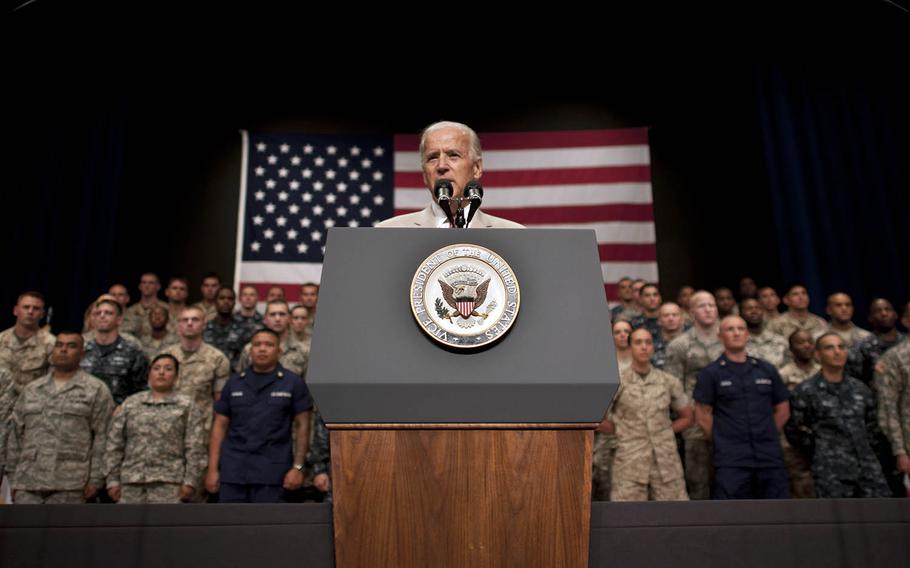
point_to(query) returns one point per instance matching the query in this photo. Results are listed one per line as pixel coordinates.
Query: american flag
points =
(294, 187)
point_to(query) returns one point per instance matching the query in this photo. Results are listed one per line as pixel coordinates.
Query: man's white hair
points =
(473, 139)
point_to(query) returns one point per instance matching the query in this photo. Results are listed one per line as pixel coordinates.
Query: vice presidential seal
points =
(465, 296)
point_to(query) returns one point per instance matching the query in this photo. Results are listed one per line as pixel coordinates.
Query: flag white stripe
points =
(613, 271)
(241, 208)
(540, 195)
(612, 232)
(281, 272)
(546, 158)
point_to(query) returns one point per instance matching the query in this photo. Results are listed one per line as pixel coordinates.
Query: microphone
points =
(442, 189)
(473, 191)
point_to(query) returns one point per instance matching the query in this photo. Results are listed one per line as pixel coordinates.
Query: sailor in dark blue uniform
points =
(250, 454)
(741, 403)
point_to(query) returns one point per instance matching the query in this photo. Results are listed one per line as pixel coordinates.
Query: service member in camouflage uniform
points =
(203, 369)
(797, 315)
(159, 337)
(136, 317)
(834, 422)
(631, 308)
(155, 446)
(309, 298)
(293, 358)
(228, 332)
(762, 343)
(249, 298)
(769, 300)
(649, 297)
(7, 400)
(176, 293)
(686, 356)
(802, 367)
(892, 380)
(861, 359)
(24, 348)
(726, 303)
(840, 309)
(89, 334)
(119, 363)
(211, 283)
(59, 424)
(671, 322)
(646, 464)
(300, 328)
(605, 442)
(626, 303)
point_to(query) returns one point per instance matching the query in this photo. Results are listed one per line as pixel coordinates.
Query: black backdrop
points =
(115, 168)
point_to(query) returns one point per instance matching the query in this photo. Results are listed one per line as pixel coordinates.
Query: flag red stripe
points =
(534, 140)
(627, 252)
(568, 176)
(291, 291)
(571, 214)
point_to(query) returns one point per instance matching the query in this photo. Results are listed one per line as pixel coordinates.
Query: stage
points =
(829, 533)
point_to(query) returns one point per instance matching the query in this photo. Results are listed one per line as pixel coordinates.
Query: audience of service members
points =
(166, 402)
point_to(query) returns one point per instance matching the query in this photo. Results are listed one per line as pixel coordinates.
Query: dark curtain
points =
(62, 200)
(836, 148)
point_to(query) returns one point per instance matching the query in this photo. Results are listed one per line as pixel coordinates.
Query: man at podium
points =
(452, 162)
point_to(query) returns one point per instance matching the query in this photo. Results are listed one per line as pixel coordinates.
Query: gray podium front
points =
(451, 457)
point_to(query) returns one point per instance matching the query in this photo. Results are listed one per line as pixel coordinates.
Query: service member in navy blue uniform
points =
(741, 403)
(251, 458)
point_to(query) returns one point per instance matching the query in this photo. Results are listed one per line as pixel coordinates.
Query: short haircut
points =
(165, 356)
(30, 294)
(268, 331)
(644, 329)
(107, 299)
(793, 335)
(251, 287)
(214, 275)
(795, 285)
(311, 285)
(150, 274)
(173, 279)
(818, 342)
(229, 289)
(649, 285)
(473, 139)
(298, 307)
(282, 302)
(71, 332)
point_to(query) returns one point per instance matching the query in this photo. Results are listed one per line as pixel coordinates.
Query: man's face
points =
(768, 299)
(149, 285)
(624, 290)
(265, 350)
(751, 311)
(642, 346)
(249, 297)
(840, 308)
(802, 346)
(797, 298)
(882, 315)
(733, 333)
(447, 155)
(190, 323)
(725, 301)
(703, 309)
(309, 295)
(274, 293)
(621, 332)
(277, 318)
(299, 319)
(118, 291)
(105, 318)
(670, 318)
(650, 298)
(747, 288)
(685, 294)
(162, 375)
(158, 317)
(176, 291)
(67, 352)
(224, 302)
(832, 352)
(209, 288)
(28, 311)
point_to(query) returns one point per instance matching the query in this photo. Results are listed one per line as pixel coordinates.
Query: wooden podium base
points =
(433, 495)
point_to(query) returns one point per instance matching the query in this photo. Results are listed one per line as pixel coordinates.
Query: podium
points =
(447, 457)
